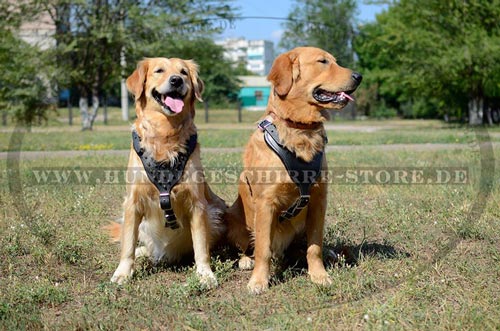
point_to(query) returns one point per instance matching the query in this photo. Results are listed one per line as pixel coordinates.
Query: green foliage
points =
(25, 85)
(69, 252)
(323, 24)
(383, 111)
(94, 37)
(418, 52)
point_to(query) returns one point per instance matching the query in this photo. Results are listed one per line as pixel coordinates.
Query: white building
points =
(256, 55)
(40, 32)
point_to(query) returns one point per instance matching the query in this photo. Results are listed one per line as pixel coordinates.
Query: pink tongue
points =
(345, 95)
(175, 105)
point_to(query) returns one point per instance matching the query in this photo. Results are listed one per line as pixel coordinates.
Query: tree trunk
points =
(488, 119)
(95, 107)
(123, 85)
(88, 117)
(84, 111)
(476, 110)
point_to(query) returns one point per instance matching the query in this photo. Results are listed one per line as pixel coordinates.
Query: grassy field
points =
(412, 256)
(225, 134)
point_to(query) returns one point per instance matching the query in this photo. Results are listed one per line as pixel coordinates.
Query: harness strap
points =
(164, 176)
(303, 174)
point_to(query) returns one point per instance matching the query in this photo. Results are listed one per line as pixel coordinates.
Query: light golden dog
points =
(165, 91)
(306, 81)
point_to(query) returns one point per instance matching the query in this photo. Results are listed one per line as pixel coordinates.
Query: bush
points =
(382, 111)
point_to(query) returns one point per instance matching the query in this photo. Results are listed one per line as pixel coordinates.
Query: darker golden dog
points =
(165, 91)
(306, 81)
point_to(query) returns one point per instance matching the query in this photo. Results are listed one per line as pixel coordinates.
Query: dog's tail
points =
(114, 230)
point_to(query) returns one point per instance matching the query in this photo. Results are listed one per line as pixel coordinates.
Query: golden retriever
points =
(305, 81)
(165, 91)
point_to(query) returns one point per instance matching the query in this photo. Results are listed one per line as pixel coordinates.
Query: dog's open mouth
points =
(171, 103)
(325, 96)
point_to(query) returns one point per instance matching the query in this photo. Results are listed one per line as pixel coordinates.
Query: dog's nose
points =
(357, 77)
(176, 81)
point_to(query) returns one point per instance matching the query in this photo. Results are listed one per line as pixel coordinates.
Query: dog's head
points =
(166, 85)
(311, 76)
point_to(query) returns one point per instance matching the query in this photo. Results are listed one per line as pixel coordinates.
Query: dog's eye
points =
(184, 72)
(159, 71)
(324, 61)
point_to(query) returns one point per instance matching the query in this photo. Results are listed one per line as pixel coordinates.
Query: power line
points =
(230, 20)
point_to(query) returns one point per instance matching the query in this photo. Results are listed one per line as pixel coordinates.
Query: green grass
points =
(57, 261)
(236, 135)
(60, 118)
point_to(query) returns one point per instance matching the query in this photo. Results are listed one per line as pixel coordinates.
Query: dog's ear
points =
(198, 85)
(136, 81)
(284, 72)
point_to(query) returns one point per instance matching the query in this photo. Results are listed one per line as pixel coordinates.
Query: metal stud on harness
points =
(165, 175)
(303, 174)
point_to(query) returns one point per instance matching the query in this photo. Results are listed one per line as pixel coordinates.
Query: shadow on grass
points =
(338, 255)
(293, 264)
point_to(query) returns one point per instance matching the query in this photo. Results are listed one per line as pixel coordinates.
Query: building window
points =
(258, 95)
(255, 57)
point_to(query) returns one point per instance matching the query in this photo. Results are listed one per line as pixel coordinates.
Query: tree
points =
(327, 24)
(26, 75)
(92, 35)
(188, 35)
(442, 54)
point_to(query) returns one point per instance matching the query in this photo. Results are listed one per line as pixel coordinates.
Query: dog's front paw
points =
(121, 278)
(257, 285)
(123, 273)
(321, 278)
(207, 279)
(245, 263)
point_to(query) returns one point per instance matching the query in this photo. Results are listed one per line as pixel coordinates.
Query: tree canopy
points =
(96, 38)
(434, 57)
(327, 24)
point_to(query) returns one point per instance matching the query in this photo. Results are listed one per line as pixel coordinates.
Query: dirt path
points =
(32, 155)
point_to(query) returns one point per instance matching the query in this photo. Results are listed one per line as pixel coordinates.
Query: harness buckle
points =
(296, 208)
(303, 201)
(165, 202)
(262, 125)
(166, 205)
(171, 220)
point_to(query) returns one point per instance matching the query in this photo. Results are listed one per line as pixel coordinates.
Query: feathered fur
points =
(253, 218)
(164, 133)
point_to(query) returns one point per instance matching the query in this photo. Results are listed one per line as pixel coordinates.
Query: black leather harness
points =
(303, 174)
(165, 175)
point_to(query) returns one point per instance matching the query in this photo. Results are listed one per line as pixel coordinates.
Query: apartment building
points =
(256, 55)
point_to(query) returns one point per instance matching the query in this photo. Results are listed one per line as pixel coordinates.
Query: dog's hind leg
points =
(237, 234)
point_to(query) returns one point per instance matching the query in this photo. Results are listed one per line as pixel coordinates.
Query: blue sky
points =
(271, 29)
